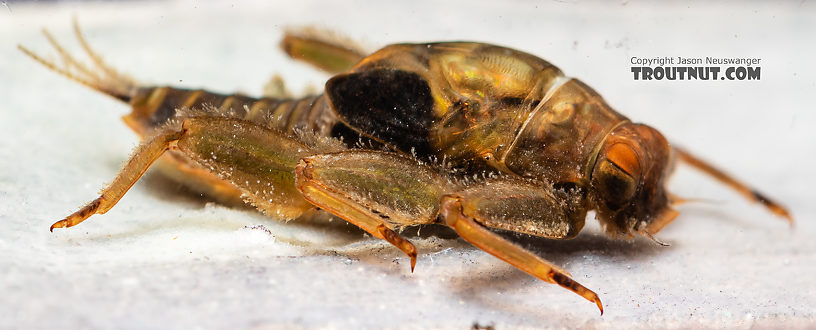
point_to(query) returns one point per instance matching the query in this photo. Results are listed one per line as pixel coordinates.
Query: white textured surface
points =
(164, 259)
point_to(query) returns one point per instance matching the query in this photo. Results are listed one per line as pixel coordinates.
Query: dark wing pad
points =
(394, 106)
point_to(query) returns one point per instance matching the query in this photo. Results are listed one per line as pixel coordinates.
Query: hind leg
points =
(322, 49)
(258, 161)
(145, 155)
(318, 48)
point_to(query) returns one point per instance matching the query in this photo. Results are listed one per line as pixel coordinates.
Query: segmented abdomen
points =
(152, 107)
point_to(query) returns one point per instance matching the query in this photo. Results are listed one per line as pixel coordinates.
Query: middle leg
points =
(373, 189)
(377, 191)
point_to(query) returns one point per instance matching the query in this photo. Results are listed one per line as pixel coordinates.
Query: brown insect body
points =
(511, 112)
(441, 115)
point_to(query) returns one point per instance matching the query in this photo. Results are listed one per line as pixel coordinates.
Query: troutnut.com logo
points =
(695, 68)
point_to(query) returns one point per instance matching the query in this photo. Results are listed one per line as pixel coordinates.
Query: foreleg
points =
(528, 209)
(728, 180)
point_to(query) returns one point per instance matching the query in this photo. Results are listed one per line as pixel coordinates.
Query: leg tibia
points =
(467, 213)
(145, 155)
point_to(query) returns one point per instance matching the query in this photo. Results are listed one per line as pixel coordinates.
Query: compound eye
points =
(624, 157)
(618, 176)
